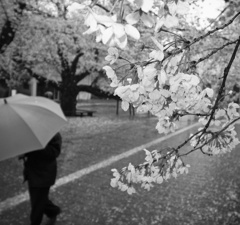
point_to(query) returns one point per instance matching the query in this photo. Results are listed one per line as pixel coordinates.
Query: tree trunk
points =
(68, 97)
(68, 103)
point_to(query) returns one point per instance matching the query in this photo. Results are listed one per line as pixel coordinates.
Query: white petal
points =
(209, 92)
(118, 30)
(105, 20)
(194, 80)
(133, 18)
(157, 55)
(160, 23)
(110, 72)
(107, 35)
(132, 31)
(145, 5)
(121, 42)
(172, 8)
(171, 21)
(182, 7)
(125, 105)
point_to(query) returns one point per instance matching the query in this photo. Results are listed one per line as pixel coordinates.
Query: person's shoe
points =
(52, 220)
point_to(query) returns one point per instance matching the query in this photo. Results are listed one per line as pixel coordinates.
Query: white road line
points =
(16, 200)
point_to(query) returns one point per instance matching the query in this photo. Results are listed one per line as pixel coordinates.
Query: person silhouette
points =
(40, 171)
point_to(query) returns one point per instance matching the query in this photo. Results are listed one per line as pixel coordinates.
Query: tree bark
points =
(68, 103)
(68, 95)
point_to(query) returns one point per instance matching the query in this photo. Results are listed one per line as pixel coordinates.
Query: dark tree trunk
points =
(69, 86)
(68, 95)
(68, 103)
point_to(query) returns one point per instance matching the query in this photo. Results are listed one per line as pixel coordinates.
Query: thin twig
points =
(102, 7)
(212, 138)
(201, 37)
(216, 17)
(221, 90)
(121, 11)
(226, 71)
(214, 52)
(114, 6)
(214, 30)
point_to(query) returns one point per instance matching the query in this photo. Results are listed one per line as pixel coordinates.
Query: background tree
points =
(11, 17)
(50, 44)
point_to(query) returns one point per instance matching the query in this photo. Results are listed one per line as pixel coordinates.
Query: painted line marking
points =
(18, 199)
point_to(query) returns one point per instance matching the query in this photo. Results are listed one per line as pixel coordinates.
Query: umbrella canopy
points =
(27, 123)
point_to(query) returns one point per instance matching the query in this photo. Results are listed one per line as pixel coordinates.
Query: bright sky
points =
(206, 9)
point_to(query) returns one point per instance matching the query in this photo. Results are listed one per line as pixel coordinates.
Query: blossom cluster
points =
(112, 32)
(159, 85)
(162, 93)
(221, 137)
(214, 143)
(155, 169)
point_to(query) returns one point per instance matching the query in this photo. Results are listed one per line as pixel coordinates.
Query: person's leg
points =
(38, 199)
(51, 210)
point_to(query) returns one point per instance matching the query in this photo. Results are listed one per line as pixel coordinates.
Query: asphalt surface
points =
(208, 195)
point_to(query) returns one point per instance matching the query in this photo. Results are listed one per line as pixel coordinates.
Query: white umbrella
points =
(27, 124)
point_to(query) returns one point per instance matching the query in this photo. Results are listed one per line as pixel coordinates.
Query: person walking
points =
(40, 171)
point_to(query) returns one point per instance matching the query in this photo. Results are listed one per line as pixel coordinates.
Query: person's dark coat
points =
(40, 167)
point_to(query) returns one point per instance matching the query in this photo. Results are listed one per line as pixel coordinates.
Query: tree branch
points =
(97, 92)
(211, 139)
(81, 76)
(75, 61)
(202, 131)
(102, 7)
(226, 71)
(213, 31)
(221, 90)
(187, 45)
(217, 17)
(212, 53)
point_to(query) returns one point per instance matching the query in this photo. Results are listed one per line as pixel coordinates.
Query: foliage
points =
(11, 16)
(49, 43)
(171, 80)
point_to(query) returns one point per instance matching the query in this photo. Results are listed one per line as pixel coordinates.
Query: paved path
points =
(208, 195)
(22, 197)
